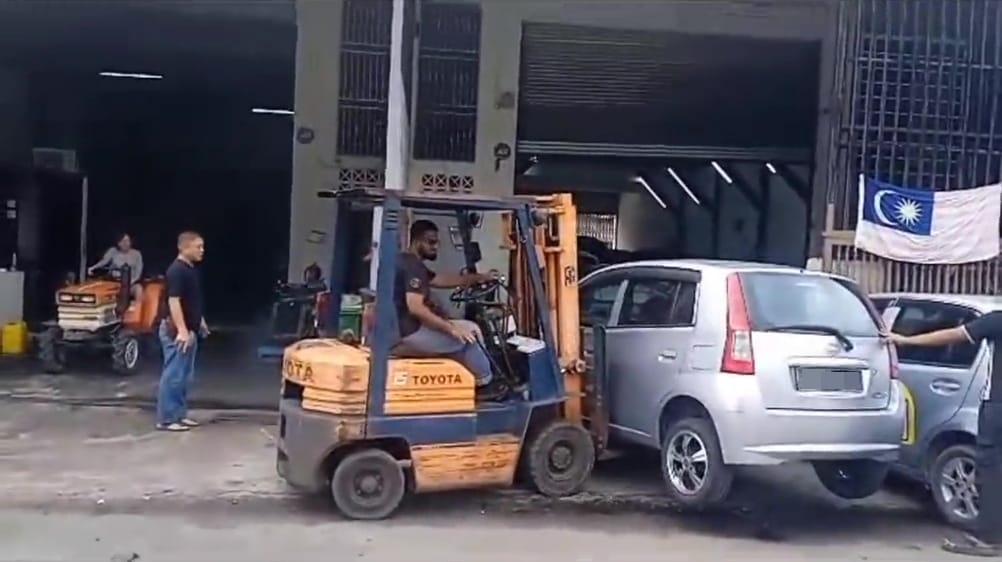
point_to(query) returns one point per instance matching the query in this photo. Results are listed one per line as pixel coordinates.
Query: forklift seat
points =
(401, 350)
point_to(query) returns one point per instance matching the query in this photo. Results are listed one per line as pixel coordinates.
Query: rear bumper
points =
(750, 434)
(305, 441)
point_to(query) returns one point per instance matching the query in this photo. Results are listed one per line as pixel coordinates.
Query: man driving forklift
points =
(425, 327)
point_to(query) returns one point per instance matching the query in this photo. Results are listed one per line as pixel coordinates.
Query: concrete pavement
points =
(229, 375)
(61, 465)
(438, 537)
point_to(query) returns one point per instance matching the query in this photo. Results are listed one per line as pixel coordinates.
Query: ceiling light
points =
(682, 184)
(651, 191)
(266, 111)
(721, 171)
(133, 75)
(771, 168)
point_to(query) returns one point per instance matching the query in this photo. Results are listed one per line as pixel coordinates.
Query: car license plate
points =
(825, 379)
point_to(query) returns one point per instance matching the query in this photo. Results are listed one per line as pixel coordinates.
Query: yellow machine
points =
(371, 423)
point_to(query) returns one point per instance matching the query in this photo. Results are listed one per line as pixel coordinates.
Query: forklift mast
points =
(556, 246)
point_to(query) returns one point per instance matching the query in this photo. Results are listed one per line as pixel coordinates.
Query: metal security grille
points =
(923, 81)
(920, 88)
(365, 68)
(601, 227)
(445, 126)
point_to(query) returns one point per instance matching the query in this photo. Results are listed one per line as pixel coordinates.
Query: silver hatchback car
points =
(720, 363)
(943, 389)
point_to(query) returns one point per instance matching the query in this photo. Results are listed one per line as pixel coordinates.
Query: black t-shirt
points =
(412, 277)
(989, 327)
(184, 282)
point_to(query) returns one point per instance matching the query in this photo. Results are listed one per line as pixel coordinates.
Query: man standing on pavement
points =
(181, 325)
(987, 538)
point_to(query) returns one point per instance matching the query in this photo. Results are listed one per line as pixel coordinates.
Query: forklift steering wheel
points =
(475, 293)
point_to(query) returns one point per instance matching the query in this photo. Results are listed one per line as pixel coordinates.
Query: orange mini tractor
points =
(99, 314)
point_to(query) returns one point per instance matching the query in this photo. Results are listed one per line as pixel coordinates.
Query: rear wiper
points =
(816, 328)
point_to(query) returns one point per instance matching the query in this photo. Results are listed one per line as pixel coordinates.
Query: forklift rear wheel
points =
(368, 485)
(559, 459)
(125, 353)
(50, 350)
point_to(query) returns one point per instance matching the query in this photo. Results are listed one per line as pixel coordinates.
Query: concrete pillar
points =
(827, 141)
(497, 111)
(497, 117)
(315, 166)
(398, 126)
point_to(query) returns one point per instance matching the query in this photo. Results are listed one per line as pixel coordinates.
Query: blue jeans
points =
(471, 355)
(175, 379)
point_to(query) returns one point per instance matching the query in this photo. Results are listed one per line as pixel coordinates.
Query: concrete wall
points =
(643, 224)
(315, 163)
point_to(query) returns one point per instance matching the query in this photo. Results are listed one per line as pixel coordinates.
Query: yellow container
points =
(14, 340)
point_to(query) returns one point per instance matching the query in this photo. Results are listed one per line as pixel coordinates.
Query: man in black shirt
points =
(424, 324)
(181, 324)
(987, 539)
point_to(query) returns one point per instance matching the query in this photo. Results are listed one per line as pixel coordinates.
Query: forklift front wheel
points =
(559, 459)
(368, 485)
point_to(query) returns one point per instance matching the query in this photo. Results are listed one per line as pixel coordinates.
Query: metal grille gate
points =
(445, 125)
(920, 84)
(364, 84)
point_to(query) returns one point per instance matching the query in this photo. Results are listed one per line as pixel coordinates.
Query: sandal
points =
(175, 426)
(972, 546)
(188, 422)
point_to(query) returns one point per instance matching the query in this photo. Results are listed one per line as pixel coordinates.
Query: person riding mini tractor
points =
(100, 314)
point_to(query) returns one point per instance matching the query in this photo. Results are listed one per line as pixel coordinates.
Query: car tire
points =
(954, 459)
(368, 485)
(853, 479)
(692, 464)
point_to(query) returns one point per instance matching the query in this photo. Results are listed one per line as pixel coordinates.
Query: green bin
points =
(351, 318)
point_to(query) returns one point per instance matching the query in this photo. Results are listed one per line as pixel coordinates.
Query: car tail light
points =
(738, 356)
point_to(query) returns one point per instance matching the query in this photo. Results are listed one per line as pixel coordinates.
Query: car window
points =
(597, 301)
(791, 299)
(922, 317)
(657, 302)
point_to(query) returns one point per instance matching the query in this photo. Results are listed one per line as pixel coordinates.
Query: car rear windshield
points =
(776, 300)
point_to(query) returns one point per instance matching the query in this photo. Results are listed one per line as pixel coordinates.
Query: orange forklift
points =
(370, 423)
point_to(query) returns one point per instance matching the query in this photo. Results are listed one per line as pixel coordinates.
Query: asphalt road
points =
(105, 484)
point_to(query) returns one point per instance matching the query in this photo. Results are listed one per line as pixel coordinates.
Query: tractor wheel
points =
(368, 485)
(559, 458)
(50, 350)
(125, 353)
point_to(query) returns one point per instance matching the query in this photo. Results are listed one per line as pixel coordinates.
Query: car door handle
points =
(667, 356)
(945, 386)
